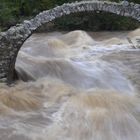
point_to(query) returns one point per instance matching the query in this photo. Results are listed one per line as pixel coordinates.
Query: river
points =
(74, 86)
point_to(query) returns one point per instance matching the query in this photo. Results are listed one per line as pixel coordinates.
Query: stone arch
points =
(12, 40)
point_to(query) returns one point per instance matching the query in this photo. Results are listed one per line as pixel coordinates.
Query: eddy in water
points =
(74, 86)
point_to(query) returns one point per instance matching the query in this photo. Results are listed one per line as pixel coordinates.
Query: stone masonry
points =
(12, 40)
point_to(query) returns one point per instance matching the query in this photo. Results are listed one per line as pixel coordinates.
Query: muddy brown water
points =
(74, 86)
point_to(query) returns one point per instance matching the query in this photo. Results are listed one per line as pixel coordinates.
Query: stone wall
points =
(12, 40)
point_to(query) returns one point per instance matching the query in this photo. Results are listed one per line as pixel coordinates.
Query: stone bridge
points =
(12, 40)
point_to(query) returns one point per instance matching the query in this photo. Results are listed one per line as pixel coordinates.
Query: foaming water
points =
(74, 86)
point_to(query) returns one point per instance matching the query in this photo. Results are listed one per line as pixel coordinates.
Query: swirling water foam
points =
(73, 86)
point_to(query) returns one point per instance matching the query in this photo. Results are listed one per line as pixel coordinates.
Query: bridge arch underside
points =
(90, 21)
(12, 40)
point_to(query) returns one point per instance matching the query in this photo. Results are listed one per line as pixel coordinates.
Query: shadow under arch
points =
(90, 21)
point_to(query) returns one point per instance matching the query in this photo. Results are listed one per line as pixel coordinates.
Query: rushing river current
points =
(74, 86)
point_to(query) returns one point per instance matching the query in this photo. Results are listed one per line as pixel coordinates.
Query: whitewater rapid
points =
(74, 86)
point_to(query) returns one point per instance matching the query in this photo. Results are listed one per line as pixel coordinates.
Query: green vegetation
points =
(14, 11)
(93, 21)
